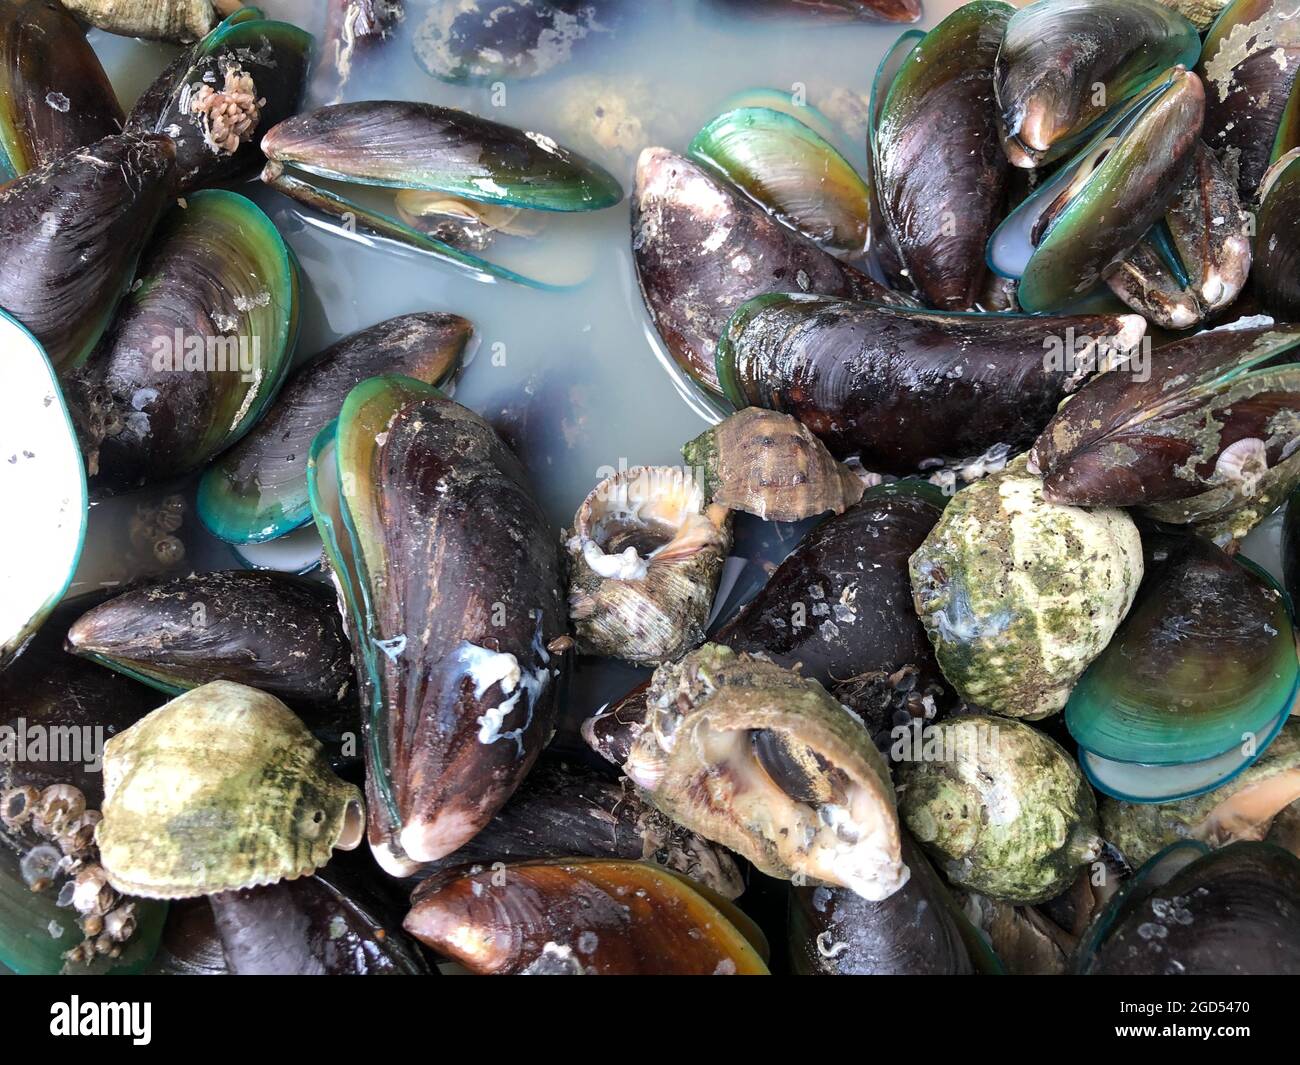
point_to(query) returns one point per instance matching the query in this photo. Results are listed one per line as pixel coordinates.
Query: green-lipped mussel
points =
(449, 576)
(1194, 685)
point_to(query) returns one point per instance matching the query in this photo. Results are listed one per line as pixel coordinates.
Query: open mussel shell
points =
(1195, 262)
(645, 555)
(939, 174)
(463, 223)
(1067, 64)
(917, 931)
(220, 789)
(1019, 594)
(1194, 685)
(450, 574)
(1244, 808)
(1001, 808)
(329, 924)
(1233, 912)
(1209, 420)
(43, 469)
(217, 99)
(768, 464)
(903, 388)
(271, 631)
(71, 232)
(836, 10)
(1249, 65)
(404, 145)
(199, 347)
(584, 916)
(702, 248)
(257, 491)
(54, 94)
(178, 21)
(484, 40)
(840, 603)
(1096, 208)
(1277, 240)
(563, 810)
(765, 762)
(793, 171)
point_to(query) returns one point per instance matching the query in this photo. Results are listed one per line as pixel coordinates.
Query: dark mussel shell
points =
(702, 248)
(198, 348)
(612, 730)
(404, 145)
(190, 945)
(1249, 64)
(478, 40)
(842, 10)
(450, 573)
(354, 30)
(328, 924)
(940, 176)
(70, 235)
(251, 65)
(1291, 546)
(840, 604)
(54, 94)
(1215, 411)
(576, 917)
(272, 631)
(1277, 239)
(903, 388)
(568, 811)
(257, 491)
(1235, 911)
(1066, 64)
(917, 931)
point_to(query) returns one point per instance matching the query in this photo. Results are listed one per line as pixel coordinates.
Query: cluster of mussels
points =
(1019, 703)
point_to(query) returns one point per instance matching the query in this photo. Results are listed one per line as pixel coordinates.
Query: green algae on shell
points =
(1019, 595)
(1001, 808)
(220, 789)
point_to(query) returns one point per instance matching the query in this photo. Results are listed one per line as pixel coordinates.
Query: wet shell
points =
(766, 463)
(765, 762)
(1001, 808)
(645, 555)
(221, 789)
(179, 21)
(1019, 595)
(583, 917)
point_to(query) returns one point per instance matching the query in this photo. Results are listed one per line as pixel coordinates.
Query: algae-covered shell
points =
(766, 463)
(1019, 595)
(220, 789)
(1001, 808)
(645, 552)
(765, 762)
(1242, 809)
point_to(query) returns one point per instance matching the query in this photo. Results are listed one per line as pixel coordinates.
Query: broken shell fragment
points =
(768, 464)
(645, 554)
(765, 762)
(1019, 594)
(576, 917)
(1002, 809)
(220, 789)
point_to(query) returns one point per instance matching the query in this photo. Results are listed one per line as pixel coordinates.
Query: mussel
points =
(1204, 436)
(354, 30)
(257, 490)
(1020, 594)
(1194, 685)
(1002, 809)
(584, 917)
(218, 97)
(1277, 237)
(71, 232)
(220, 789)
(1065, 65)
(908, 390)
(54, 94)
(198, 349)
(645, 554)
(842, 10)
(765, 762)
(449, 574)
